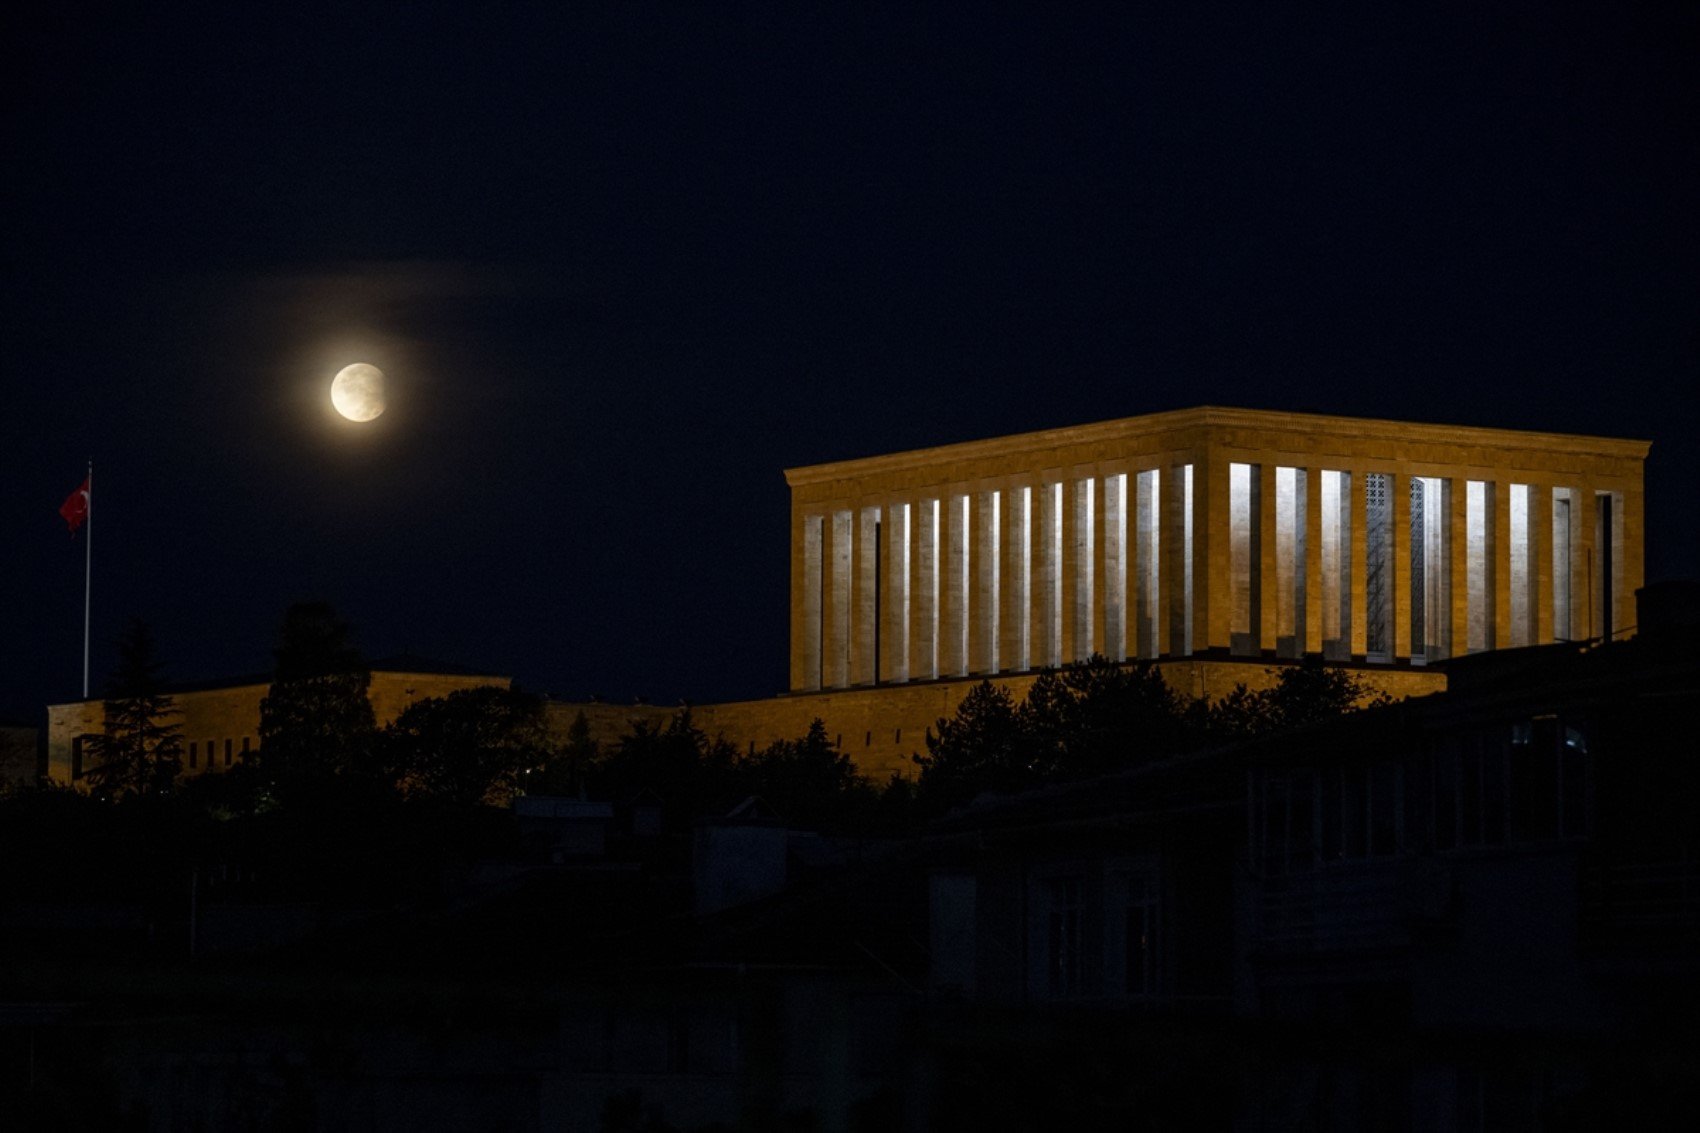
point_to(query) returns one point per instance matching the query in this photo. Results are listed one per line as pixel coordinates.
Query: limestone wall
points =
(880, 727)
(219, 724)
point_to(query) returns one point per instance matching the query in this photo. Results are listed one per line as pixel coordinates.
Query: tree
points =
(691, 774)
(136, 753)
(567, 769)
(1303, 695)
(1090, 719)
(316, 722)
(808, 781)
(981, 748)
(473, 746)
(1114, 716)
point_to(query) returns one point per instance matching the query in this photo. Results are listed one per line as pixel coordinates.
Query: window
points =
(1063, 952)
(1138, 924)
(229, 753)
(1528, 785)
(77, 757)
(194, 755)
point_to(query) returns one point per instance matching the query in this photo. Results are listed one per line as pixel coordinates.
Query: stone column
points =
(923, 589)
(1212, 566)
(864, 594)
(805, 645)
(1015, 597)
(950, 571)
(1540, 542)
(1101, 564)
(1499, 576)
(1399, 483)
(1171, 581)
(1583, 583)
(1457, 493)
(985, 580)
(896, 547)
(1632, 503)
(836, 541)
(1313, 561)
(1040, 599)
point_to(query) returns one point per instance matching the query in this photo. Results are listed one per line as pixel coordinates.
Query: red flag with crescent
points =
(75, 509)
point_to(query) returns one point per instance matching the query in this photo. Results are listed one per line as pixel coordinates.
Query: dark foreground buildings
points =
(1478, 910)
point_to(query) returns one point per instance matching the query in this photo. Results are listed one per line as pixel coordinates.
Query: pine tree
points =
(316, 722)
(136, 753)
(981, 748)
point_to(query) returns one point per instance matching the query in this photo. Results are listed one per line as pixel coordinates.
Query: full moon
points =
(357, 391)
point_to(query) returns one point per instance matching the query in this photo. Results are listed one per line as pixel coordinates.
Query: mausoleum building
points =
(1209, 533)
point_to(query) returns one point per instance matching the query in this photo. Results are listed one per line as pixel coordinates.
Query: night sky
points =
(625, 263)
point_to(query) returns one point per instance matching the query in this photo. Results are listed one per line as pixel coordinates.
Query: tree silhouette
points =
(473, 746)
(808, 781)
(136, 753)
(982, 748)
(1303, 695)
(316, 722)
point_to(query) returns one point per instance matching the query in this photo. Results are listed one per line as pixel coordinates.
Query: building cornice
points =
(1220, 417)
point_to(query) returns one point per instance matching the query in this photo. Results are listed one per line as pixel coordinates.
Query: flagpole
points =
(88, 576)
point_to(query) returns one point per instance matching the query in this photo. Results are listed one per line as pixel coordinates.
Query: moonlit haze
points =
(357, 391)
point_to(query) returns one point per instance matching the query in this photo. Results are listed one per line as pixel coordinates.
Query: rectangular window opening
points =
(1289, 562)
(1378, 566)
(1244, 568)
(1563, 624)
(1336, 571)
(1523, 631)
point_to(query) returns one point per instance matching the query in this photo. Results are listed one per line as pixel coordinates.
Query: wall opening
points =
(1244, 570)
(1431, 593)
(1563, 624)
(1378, 566)
(1336, 552)
(1147, 562)
(1607, 551)
(1290, 553)
(1523, 593)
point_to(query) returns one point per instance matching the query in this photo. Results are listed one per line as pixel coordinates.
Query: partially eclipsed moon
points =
(357, 391)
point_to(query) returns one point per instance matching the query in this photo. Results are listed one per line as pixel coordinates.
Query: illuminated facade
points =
(1209, 533)
(219, 722)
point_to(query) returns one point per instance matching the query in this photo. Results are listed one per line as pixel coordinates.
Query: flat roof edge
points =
(1221, 417)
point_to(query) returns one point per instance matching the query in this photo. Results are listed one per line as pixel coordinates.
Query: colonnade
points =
(1215, 551)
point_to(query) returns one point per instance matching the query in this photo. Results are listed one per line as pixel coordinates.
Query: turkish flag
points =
(75, 509)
